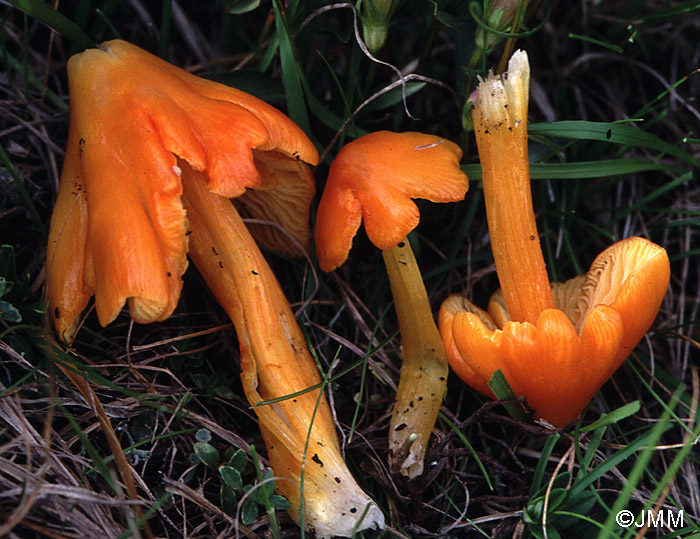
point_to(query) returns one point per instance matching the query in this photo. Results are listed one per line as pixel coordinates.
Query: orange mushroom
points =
(555, 343)
(374, 177)
(140, 131)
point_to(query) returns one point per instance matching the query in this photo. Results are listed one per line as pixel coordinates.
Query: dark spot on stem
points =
(400, 427)
(608, 134)
(317, 460)
(57, 313)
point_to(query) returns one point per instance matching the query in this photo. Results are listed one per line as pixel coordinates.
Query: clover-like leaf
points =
(207, 454)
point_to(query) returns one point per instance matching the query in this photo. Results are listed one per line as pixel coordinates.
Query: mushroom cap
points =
(560, 362)
(119, 229)
(375, 177)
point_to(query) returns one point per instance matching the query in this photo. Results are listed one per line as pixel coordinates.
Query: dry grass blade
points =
(45, 484)
(125, 470)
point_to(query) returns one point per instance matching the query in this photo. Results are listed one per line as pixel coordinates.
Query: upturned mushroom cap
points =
(119, 228)
(563, 359)
(375, 177)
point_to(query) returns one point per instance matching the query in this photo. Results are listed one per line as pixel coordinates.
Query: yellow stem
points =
(500, 124)
(299, 431)
(424, 369)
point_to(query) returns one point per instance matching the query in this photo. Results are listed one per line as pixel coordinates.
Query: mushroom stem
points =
(298, 429)
(424, 369)
(500, 124)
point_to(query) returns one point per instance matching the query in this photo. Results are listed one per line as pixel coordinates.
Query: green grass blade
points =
(293, 88)
(53, 19)
(12, 63)
(635, 475)
(164, 37)
(580, 170)
(469, 446)
(614, 416)
(648, 439)
(604, 44)
(672, 470)
(663, 15)
(611, 132)
(503, 392)
(97, 460)
(644, 202)
(538, 476)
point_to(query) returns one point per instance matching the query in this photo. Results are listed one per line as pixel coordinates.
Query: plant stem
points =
(424, 369)
(500, 125)
(275, 363)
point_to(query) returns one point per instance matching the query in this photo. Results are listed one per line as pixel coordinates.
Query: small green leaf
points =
(228, 453)
(239, 7)
(207, 454)
(7, 263)
(254, 493)
(231, 476)
(224, 392)
(279, 502)
(533, 512)
(203, 435)
(249, 511)
(200, 380)
(5, 287)
(238, 460)
(9, 312)
(228, 499)
(270, 485)
(556, 497)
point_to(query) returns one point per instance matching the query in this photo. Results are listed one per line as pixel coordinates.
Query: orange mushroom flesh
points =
(140, 129)
(374, 178)
(131, 114)
(555, 343)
